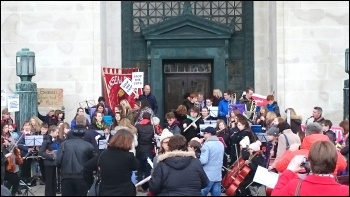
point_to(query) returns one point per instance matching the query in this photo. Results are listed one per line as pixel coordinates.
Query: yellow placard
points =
(50, 97)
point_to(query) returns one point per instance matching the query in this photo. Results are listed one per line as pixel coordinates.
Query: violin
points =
(236, 175)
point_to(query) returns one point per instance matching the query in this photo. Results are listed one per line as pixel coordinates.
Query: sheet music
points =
(265, 177)
(213, 111)
(262, 137)
(102, 144)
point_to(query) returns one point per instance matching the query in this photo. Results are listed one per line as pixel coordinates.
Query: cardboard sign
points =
(127, 86)
(13, 102)
(137, 79)
(50, 97)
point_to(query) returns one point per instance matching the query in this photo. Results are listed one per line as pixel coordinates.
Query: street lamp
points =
(27, 90)
(25, 64)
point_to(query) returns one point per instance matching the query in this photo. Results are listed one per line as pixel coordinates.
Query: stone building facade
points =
(298, 49)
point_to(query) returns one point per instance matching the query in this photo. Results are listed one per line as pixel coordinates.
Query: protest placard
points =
(127, 86)
(13, 102)
(137, 79)
(50, 97)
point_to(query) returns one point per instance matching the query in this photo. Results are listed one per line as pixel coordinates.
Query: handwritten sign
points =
(13, 102)
(50, 97)
(137, 79)
(127, 86)
(3, 97)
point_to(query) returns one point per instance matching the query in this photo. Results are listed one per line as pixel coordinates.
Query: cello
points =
(236, 175)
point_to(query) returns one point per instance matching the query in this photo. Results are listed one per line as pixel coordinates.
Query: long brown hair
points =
(61, 134)
(122, 140)
(181, 110)
(127, 123)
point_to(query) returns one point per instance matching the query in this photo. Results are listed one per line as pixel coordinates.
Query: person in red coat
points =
(322, 160)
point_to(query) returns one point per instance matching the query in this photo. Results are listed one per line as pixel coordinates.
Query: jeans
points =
(144, 169)
(213, 187)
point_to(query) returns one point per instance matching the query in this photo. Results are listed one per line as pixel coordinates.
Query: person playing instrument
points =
(173, 124)
(253, 158)
(190, 99)
(271, 146)
(223, 132)
(12, 163)
(181, 169)
(205, 114)
(224, 106)
(247, 99)
(322, 159)
(313, 134)
(212, 156)
(191, 124)
(317, 115)
(47, 151)
(261, 117)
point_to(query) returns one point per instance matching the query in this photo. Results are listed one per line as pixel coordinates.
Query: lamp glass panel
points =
(24, 65)
(31, 66)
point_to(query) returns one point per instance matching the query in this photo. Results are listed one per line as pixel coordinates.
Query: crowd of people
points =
(179, 157)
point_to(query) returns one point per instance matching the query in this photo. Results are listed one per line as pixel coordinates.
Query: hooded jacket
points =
(178, 173)
(308, 141)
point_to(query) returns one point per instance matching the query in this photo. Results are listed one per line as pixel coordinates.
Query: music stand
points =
(102, 144)
(262, 137)
(34, 140)
(85, 104)
(101, 132)
(213, 111)
(210, 122)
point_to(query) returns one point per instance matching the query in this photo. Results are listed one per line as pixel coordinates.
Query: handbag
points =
(95, 187)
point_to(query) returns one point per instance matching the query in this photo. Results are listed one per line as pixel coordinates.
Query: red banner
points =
(112, 78)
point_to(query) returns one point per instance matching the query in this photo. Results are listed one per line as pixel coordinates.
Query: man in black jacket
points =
(150, 98)
(71, 158)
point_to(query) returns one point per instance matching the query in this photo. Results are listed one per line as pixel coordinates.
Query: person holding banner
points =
(150, 98)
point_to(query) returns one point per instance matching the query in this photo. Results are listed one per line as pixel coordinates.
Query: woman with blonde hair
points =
(295, 120)
(35, 124)
(127, 111)
(125, 123)
(217, 97)
(270, 117)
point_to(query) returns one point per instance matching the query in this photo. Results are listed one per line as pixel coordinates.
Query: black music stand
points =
(27, 189)
(34, 140)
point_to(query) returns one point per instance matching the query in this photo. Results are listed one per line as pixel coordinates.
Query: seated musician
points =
(25, 152)
(322, 161)
(191, 124)
(253, 158)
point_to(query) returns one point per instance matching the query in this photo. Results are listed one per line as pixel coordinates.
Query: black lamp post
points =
(27, 90)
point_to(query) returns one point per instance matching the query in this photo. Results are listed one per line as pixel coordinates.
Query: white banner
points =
(3, 98)
(13, 102)
(137, 79)
(127, 86)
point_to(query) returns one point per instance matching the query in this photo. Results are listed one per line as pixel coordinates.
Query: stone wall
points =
(66, 38)
(311, 42)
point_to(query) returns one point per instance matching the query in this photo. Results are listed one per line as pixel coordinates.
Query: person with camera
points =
(313, 134)
(322, 162)
(71, 158)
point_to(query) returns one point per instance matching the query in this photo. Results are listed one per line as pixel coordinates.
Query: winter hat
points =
(273, 131)
(165, 134)
(255, 146)
(245, 142)
(155, 120)
(210, 130)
